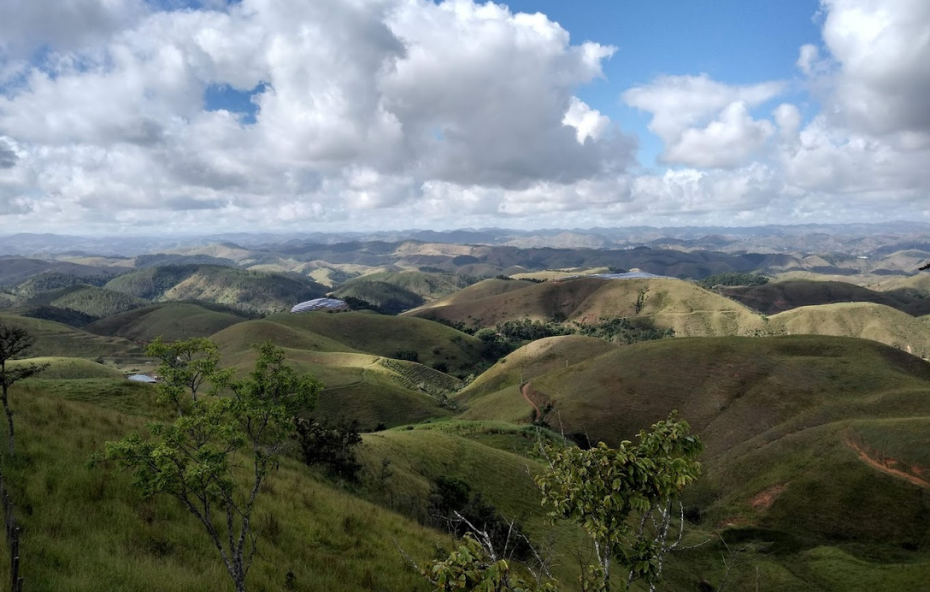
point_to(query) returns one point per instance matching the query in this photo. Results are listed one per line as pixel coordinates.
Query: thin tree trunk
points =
(9, 420)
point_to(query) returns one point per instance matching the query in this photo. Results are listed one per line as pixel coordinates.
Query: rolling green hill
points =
(669, 304)
(249, 291)
(51, 281)
(810, 440)
(65, 316)
(806, 439)
(93, 521)
(171, 321)
(428, 285)
(384, 335)
(857, 319)
(352, 355)
(532, 360)
(387, 297)
(90, 300)
(776, 297)
(479, 291)
(54, 339)
(395, 292)
(60, 368)
(15, 270)
(730, 388)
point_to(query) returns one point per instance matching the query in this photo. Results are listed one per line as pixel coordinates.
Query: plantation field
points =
(55, 339)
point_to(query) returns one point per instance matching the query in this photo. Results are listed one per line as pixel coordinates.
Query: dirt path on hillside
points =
(525, 391)
(886, 465)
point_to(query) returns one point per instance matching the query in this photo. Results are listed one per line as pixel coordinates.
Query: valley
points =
(811, 398)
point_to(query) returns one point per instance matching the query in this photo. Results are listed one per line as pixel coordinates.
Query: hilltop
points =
(249, 291)
(729, 388)
(396, 292)
(171, 321)
(56, 339)
(668, 304)
(776, 297)
(857, 319)
(356, 356)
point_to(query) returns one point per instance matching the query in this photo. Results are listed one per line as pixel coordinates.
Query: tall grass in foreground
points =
(87, 529)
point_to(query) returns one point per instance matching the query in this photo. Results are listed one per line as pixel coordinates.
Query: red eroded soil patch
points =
(889, 466)
(765, 498)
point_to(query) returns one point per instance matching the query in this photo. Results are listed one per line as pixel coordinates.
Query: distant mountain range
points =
(858, 239)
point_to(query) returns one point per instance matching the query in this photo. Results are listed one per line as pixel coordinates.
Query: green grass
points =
(532, 360)
(55, 339)
(668, 304)
(249, 291)
(757, 383)
(398, 291)
(91, 300)
(170, 321)
(86, 529)
(358, 386)
(776, 297)
(853, 319)
(67, 368)
(777, 415)
(384, 335)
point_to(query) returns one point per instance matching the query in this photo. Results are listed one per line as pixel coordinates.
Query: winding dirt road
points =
(525, 391)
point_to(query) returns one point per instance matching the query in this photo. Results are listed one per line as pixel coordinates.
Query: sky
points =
(208, 116)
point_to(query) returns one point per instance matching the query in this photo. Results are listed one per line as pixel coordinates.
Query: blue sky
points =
(125, 114)
(734, 41)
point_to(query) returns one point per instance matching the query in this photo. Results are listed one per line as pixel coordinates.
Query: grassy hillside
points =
(868, 321)
(395, 292)
(532, 360)
(918, 283)
(69, 368)
(250, 291)
(55, 339)
(92, 520)
(15, 270)
(669, 304)
(387, 297)
(351, 354)
(171, 321)
(359, 386)
(92, 301)
(776, 297)
(803, 434)
(786, 420)
(426, 285)
(385, 335)
(51, 281)
(479, 291)
(65, 316)
(730, 388)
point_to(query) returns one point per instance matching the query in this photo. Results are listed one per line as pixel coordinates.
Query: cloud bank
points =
(403, 113)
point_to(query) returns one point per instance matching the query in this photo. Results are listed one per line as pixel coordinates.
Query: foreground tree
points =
(625, 499)
(215, 458)
(185, 367)
(475, 567)
(14, 343)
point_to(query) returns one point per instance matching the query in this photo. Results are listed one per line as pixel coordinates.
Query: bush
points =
(527, 330)
(331, 445)
(449, 495)
(733, 279)
(409, 355)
